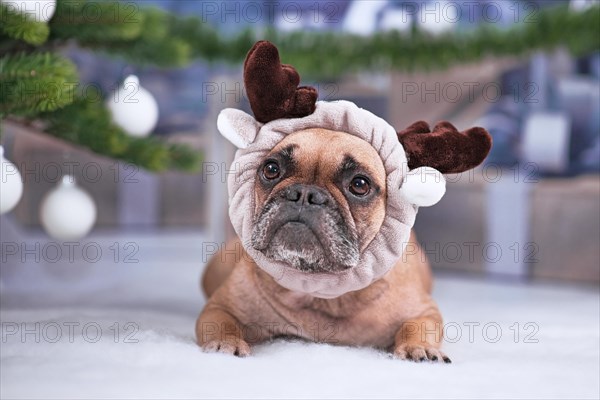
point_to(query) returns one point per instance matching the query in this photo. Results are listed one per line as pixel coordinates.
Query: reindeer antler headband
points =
(414, 160)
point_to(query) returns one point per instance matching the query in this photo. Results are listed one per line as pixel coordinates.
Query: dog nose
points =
(306, 195)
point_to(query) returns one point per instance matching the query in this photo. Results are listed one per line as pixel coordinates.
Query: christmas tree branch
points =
(33, 83)
(154, 44)
(151, 36)
(39, 85)
(22, 27)
(328, 55)
(42, 86)
(94, 21)
(87, 122)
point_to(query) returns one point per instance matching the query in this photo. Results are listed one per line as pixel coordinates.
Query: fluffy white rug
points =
(548, 347)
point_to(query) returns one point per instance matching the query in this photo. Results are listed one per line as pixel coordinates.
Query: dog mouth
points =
(310, 241)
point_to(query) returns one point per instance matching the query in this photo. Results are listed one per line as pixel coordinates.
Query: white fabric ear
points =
(423, 186)
(238, 127)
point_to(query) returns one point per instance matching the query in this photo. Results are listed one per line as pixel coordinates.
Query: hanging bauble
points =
(133, 108)
(39, 10)
(11, 185)
(67, 212)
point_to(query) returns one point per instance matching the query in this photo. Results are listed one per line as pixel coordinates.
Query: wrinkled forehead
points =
(330, 149)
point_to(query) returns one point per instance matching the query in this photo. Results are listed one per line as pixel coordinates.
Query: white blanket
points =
(155, 355)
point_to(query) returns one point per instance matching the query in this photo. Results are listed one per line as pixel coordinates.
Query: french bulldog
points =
(325, 252)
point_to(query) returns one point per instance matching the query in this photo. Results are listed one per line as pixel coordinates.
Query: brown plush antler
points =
(272, 88)
(445, 149)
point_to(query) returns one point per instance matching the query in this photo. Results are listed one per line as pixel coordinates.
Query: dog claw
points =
(233, 346)
(419, 353)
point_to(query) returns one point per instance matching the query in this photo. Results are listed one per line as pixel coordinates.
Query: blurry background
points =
(531, 212)
(124, 96)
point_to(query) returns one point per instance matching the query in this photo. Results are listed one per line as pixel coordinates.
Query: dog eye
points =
(359, 186)
(271, 170)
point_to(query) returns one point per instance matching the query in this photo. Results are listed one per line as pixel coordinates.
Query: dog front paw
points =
(420, 353)
(228, 345)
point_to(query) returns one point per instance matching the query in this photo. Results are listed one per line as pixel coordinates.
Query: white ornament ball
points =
(133, 108)
(68, 212)
(39, 10)
(11, 185)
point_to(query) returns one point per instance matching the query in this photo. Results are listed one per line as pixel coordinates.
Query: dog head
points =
(324, 194)
(320, 200)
